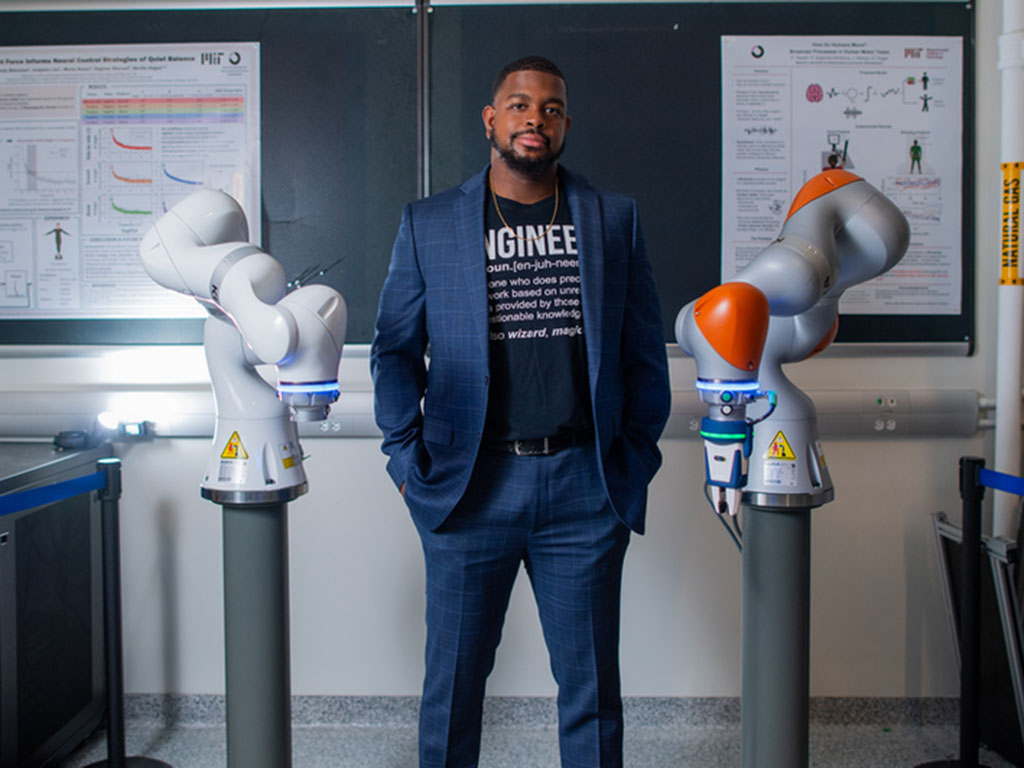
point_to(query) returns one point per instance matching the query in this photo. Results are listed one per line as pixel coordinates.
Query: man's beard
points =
(533, 167)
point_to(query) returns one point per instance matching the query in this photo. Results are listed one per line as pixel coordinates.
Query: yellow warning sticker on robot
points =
(289, 456)
(234, 449)
(780, 448)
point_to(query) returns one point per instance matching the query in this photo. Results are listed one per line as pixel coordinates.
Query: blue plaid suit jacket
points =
(432, 416)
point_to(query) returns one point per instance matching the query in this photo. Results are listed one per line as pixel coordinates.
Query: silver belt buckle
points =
(517, 447)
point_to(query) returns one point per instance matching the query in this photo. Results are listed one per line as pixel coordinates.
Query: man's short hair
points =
(526, 64)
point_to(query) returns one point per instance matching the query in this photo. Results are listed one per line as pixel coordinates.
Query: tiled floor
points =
(517, 734)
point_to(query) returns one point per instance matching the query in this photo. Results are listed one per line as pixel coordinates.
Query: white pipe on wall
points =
(1005, 518)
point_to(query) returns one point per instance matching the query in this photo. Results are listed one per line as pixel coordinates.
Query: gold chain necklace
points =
(554, 213)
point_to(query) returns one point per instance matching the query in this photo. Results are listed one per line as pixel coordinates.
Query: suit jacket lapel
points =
(586, 218)
(469, 234)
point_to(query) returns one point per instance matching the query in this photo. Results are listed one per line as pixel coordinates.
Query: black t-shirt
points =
(539, 384)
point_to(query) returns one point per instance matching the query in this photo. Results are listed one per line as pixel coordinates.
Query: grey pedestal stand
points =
(256, 624)
(776, 637)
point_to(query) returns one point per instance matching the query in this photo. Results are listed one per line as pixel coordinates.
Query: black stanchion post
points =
(110, 496)
(971, 492)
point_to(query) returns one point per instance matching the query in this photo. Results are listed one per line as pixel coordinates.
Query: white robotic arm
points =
(783, 307)
(199, 248)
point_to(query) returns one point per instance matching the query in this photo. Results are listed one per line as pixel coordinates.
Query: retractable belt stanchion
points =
(972, 490)
(110, 495)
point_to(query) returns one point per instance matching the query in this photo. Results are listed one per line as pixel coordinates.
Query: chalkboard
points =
(645, 97)
(341, 149)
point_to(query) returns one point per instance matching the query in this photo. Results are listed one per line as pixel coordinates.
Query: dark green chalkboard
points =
(343, 148)
(645, 96)
(339, 149)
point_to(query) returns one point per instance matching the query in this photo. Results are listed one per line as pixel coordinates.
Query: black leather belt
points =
(539, 446)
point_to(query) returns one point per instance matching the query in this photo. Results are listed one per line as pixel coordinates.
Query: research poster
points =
(888, 109)
(96, 143)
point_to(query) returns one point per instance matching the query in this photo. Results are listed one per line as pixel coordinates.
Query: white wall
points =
(878, 628)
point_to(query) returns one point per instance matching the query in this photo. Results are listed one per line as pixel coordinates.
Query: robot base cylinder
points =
(776, 637)
(256, 636)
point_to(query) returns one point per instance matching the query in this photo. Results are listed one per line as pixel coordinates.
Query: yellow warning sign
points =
(287, 455)
(780, 448)
(234, 449)
(1009, 273)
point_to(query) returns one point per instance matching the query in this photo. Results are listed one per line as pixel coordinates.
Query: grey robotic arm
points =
(783, 307)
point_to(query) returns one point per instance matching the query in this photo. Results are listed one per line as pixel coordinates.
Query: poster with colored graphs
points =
(889, 109)
(96, 143)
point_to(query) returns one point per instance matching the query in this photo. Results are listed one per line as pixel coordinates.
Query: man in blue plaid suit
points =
(531, 436)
